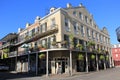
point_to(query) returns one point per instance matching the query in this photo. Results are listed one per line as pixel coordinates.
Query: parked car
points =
(4, 67)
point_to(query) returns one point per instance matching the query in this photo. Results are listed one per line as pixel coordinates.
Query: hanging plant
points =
(80, 57)
(79, 46)
(54, 43)
(107, 57)
(102, 57)
(90, 43)
(6, 50)
(5, 55)
(92, 56)
(41, 56)
(64, 42)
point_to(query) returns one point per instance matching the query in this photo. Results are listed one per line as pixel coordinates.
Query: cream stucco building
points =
(72, 40)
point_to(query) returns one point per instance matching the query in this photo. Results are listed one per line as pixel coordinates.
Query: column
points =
(28, 61)
(86, 57)
(70, 62)
(47, 64)
(97, 62)
(104, 63)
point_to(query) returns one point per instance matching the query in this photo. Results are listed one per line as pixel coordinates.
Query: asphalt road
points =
(109, 74)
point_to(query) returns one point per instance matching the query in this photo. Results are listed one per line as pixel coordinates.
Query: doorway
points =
(61, 65)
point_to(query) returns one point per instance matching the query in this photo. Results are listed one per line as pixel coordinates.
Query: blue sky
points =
(16, 13)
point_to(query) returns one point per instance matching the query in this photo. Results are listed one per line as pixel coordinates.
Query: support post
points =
(28, 61)
(97, 62)
(70, 63)
(47, 64)
(104, 64)
(86, 57)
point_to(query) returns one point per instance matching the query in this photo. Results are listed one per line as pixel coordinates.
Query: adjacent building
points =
(66, 40)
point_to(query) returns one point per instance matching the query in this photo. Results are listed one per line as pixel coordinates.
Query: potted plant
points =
(90, 45)
(79, 46)
(39, 46)
(54, 43)
(63, 43)
(6, 50)
(42, 56)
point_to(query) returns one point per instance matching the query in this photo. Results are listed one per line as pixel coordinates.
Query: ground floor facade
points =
(59, 61)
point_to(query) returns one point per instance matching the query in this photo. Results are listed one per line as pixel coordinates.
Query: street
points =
(109, 74)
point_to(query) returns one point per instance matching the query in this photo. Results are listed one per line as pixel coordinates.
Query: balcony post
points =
(47, 64)
(70, 62)
(36, 63)
(97, 62)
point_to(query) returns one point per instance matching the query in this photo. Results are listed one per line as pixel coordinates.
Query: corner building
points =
(66, 40)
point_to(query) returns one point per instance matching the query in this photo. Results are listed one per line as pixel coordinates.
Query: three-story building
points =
(66, 40)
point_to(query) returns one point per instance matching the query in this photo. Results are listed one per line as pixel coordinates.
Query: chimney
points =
(19, 30)
(81, 5)
(37, 19)
(27, 25)
(52, 9)
(69, 5)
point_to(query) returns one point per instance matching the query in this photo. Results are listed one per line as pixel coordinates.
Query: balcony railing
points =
(50, 30)
(12, 54)
(7, 45)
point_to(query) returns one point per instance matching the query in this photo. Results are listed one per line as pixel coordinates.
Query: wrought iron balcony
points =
(50, 30)
(7, 45)
(12, 54)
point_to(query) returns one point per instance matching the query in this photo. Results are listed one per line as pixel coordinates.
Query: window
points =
(101, 38)
(75, 25)
(37, 30)
(88, 32)
(80, 15)
(66, 38)
(44, 27)
(115, 50)
(86, 19)
(67, 25)
(74, 13)
(82, 30)
(44, 43)
(93, 34)
(33, 32)
(53, 23)
(91, 22)
(97, 36)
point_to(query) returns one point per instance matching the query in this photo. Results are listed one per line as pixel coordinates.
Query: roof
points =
(9, 36)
